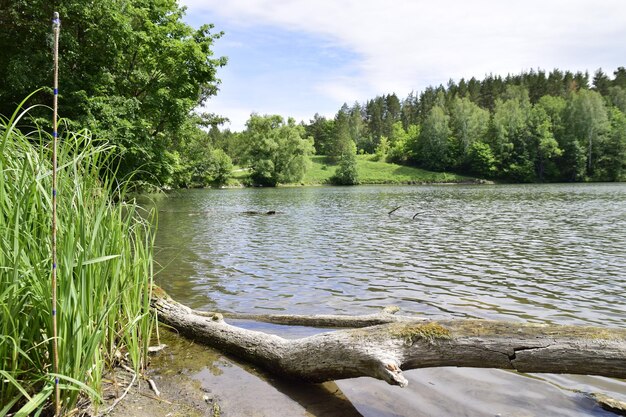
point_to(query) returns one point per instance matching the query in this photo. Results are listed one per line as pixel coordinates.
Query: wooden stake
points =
(56, 27)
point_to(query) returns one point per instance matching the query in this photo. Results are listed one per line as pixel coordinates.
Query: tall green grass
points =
(104, 273)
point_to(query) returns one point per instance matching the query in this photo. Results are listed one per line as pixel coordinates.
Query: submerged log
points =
(609, 404)
(260, 213)
(320, 320)
(382, 351)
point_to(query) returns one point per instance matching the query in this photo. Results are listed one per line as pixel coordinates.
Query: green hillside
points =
(376, 172)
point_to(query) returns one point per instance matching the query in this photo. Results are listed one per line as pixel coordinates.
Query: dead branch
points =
(383, 350)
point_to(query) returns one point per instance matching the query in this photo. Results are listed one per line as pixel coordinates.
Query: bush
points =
(481, 160)
(346, 173)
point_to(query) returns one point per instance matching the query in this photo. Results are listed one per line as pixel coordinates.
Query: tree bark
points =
(384, 345)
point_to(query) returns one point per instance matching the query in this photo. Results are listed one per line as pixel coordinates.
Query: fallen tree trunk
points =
(382, 351)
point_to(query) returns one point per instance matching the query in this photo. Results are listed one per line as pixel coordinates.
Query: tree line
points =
(535, 126)
(530, 127)
(133, 73)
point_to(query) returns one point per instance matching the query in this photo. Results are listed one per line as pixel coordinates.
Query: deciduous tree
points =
(587, 122)
(433, 147)
(275, 150)
(131, 71)
(347, 173)
(469, 124)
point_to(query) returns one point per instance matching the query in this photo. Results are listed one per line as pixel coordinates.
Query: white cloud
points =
(404, 45)
(342, 89)
(239, 115)
(404, 37)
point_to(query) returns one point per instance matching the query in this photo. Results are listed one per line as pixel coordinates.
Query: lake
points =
(537, 253)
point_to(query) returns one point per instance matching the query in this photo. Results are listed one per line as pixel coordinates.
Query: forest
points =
(531, 127)
(136, 75)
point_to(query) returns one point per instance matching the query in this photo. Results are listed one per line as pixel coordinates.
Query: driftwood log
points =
(382, 345)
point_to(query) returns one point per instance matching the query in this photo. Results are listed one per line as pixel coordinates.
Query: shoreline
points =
(477, 182)
(296, 185)
(198, 381)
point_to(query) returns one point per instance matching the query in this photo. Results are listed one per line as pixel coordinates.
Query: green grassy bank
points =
(369, 171)
(104, 272)
(376, 172)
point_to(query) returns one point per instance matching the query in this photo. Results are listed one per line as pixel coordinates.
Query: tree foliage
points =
(534, 126)
(433, 146)
(275, 150)
(469, 123)
(198, 163)
(587, 123)
(131, 71)
(347, 173)
(322, 131)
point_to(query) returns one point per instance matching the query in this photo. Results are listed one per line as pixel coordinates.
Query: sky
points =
(296, 58)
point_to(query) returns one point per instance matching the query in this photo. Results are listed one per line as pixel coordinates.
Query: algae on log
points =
(382, 351)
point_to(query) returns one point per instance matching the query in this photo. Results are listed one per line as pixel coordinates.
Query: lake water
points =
(538, 253)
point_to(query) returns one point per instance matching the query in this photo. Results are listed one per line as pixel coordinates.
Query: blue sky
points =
(275, 71)
(301, 57)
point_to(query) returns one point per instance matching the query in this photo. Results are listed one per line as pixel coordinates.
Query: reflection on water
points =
(465, 392)
(542, 253)
(239, 389)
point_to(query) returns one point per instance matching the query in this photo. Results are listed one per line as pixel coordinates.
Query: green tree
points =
(433, 146)
(491, 89)
(347, 173)
(342, 138)
(404, 143)
(220, 168)
(546, 146)
(555, 109)
(357, 127)
(537, 126)
(480, 160)
(410, 110)
(537, 83)
(382, 150)
(469, 124)
(225, 140)
(555, 84)
(473, 90)
(508, 136)
(322, 131)
(195, 161)
(611, 163)
(587, 122)
(374, 116)
(131, 71)
(276, 151)
(601, 82)
(392, 114)
(619, 79)
(617, 98)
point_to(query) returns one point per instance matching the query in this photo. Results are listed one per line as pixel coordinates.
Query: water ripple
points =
(549, 253)
(539, 253)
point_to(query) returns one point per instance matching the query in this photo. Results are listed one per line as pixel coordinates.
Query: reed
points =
(104, 272)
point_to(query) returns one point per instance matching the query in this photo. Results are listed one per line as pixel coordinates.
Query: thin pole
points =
(56, 27)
